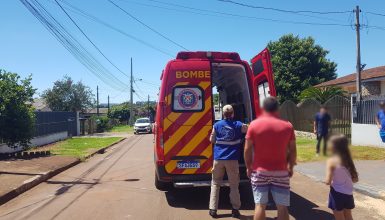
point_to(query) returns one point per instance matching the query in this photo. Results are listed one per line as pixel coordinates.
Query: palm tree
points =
(322, 94)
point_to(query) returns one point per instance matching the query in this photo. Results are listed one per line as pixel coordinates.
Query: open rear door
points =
(262, 79)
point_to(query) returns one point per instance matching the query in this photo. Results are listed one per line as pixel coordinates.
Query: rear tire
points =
(162, 186)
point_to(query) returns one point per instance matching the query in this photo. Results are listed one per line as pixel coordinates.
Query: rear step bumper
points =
(202, 183)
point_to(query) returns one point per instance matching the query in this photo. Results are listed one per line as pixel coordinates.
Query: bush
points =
(102, 123)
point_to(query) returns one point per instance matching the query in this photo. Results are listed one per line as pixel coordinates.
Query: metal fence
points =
(302, 115)
(364, 111)
(54, 122)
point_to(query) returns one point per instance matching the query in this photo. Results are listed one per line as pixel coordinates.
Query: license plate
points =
(188, 165)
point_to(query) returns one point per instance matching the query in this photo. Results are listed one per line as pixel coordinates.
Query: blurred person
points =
(321, 128)
(380, 120)
(341, 173)
(270, 156)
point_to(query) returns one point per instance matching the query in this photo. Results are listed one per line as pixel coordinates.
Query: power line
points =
(72, 45)
(119, 94)
(374, 27)
(226, 14)
(137, 87)
(167, 8)
(139, 97)
(192, 8)
(149, 83)
(284, 10)
(374, 13)
(85, 35)
(147, 26)
(97, 20)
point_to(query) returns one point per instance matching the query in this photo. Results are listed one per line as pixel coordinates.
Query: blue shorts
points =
(276, 182)
(281, 196)
(340, 201)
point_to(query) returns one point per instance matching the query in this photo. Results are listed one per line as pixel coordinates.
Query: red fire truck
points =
(185, 111)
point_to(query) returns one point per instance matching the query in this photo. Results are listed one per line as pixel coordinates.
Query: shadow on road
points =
(198, 199)
(302, 209)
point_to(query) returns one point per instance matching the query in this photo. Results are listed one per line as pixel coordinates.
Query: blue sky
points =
(28, 48)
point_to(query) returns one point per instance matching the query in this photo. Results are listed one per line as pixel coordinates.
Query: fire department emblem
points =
(187, 98)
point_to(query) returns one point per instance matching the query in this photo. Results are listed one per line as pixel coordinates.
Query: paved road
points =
(119, 185)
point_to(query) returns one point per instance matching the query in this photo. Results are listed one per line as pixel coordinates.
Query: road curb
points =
(102, 150)
(34, 181)
(360, 188)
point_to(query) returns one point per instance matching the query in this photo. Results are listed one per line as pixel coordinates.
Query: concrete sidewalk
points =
(371, 175)
(19, 175)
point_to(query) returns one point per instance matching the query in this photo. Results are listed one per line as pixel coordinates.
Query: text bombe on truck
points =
(186, 111)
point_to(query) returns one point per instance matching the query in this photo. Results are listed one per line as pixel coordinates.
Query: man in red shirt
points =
(270, 155)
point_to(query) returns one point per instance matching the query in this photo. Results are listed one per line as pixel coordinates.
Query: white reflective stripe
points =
(229, 142)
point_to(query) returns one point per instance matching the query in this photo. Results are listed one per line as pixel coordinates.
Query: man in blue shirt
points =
(227, 138)
(321, 128)
(380, 120)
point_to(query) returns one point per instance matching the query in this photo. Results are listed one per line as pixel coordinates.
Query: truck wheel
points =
(163, 186)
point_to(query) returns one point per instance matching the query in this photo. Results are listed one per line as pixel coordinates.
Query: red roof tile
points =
(372, 73)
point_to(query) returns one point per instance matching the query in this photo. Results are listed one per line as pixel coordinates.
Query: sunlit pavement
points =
(119, 185)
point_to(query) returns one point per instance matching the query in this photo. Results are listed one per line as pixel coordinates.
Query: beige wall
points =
(383, 87)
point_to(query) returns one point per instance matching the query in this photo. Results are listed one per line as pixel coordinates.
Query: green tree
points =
(16, 112)
(322, 94)
(66, 95)
(298, 64)
(120, 112)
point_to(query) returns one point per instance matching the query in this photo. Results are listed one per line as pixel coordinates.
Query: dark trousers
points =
(321, 137)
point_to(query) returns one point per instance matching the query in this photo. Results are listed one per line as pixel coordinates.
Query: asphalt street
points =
(119, 184)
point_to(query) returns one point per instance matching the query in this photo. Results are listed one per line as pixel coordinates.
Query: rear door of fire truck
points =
(262, 79)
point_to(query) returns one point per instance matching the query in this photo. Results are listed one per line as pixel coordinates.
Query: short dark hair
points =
(324, 107)
(270, 104)
(382, 104)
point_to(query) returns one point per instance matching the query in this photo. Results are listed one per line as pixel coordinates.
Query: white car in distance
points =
(143, 125)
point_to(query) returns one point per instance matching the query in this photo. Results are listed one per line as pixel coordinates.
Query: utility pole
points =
(131, 99)
(108, 103)
(358, 65)
(148, 106)
(97, 100)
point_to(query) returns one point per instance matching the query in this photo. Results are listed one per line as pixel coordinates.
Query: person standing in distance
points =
(227, 138)
(380, 120)
(321, 128)
(270, 156)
